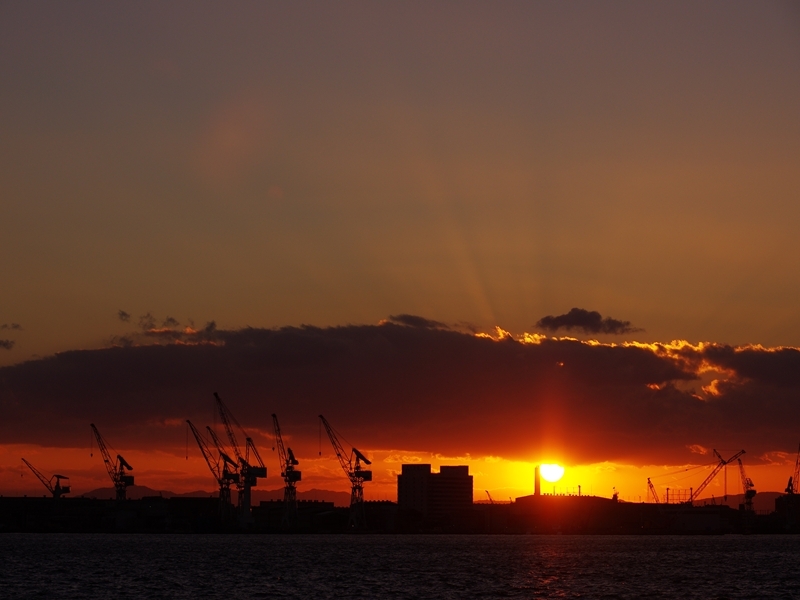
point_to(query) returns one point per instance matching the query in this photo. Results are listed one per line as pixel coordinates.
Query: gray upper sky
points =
(273, 164)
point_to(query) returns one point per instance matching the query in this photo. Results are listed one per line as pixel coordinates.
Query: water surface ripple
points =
(464, 566)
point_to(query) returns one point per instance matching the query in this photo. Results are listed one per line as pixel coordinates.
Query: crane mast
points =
(56, 488)
(116, 469)
(722, 462)
(351, 465)
(248, 473)
(747, 486)
(290, 477)
(218, 467)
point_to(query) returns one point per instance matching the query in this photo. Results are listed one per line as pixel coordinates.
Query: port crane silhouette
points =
(290, 476)
(351, 465)
(248, 472)
(695, 493)
(747, 486)
(116, 469)
(721, 465)
(219, 468)
(54, 487)
(794, 480)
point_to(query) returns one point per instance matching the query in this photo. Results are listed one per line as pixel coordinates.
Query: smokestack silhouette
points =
(537, 482)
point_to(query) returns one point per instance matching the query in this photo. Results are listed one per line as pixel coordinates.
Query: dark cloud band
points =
(586, 321)
(419, 388)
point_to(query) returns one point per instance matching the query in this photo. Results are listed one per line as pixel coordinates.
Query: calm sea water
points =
(218, 566)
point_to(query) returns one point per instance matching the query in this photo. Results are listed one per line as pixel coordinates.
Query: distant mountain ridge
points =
(763, 501)
(137, 492)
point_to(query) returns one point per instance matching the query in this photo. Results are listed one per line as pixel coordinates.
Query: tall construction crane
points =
(54, 488)
(794, 480)
(491, 500)
(748, 487)
(721, 465)
(290, 477)
(116, 469)
(219, 469)
(351, 465)
(652, 490)
(248, 472)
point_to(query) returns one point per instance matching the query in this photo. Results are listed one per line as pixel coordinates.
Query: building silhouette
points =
(435, 496)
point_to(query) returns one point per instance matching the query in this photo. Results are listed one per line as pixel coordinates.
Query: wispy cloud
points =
(147, 321)
(148, 331)
(416, 321)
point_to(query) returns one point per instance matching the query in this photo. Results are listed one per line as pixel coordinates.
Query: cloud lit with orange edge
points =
(487, 400)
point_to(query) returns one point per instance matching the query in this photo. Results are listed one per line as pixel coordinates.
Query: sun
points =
(551, 473)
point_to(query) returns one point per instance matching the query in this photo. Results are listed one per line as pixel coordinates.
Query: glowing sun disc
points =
(551, 473)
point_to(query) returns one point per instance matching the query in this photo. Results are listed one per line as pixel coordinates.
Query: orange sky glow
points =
(467, 233)
(503, 479)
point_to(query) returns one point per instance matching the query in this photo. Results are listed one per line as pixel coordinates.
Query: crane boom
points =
(116, 470)
(346, 463)
(56, 489)
(223, 453)
(722, 462)
(226, 417)
(351, 465)
(795, 480)
(251, 449)
(282, 458)
(101, 445)
(652, 489)
(42, 478)
(213, 464)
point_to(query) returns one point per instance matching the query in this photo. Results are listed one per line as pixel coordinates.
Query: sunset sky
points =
(385, 213)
